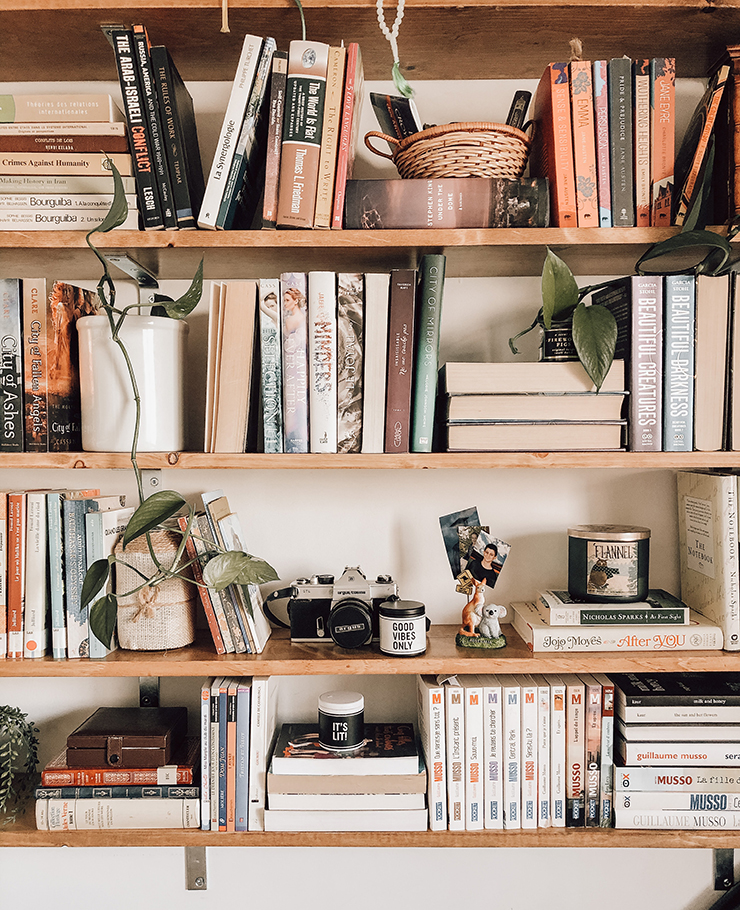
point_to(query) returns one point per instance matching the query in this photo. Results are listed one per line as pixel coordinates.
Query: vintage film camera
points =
(344, 610)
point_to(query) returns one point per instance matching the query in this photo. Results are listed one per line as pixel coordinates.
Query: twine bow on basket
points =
(147, 599)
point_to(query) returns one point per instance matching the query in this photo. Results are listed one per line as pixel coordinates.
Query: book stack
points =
(517, 751)
(55, 169)
(556, 623)
(234, 614)
(167, 169)
(378, 787)
(123, 768)
(605, 137)
(48, 540)
(677, 748)
(545, 406)
(237, 729)
(325, 362)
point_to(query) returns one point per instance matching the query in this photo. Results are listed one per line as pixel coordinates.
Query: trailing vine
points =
(18, 762)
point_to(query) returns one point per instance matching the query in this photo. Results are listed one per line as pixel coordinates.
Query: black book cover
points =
(134, 105)
(180, 138)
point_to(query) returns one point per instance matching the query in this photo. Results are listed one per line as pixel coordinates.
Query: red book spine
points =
(205, 597)
(81, 142)
(400, 360)
(351, 105)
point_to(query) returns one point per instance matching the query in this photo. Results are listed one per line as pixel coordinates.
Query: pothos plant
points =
(18, 761)
(158, 511)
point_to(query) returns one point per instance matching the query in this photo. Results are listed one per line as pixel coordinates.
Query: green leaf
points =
(236, 567)
(595, 338)
(152, 512)
(118, 211)
(183, 306)
(700, 252)
(559, 290)
(95, 578)
(103, 615)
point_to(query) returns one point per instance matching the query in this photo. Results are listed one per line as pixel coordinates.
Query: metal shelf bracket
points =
(148, 691)
(724, 868)
(196, 873)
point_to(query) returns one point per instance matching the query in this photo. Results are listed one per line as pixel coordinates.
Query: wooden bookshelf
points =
(281, 657)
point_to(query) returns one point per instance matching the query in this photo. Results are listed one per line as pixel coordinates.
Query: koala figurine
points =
(489, 626)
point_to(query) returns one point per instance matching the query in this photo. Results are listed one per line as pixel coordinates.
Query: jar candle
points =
(403, 628)
(341, 721)
(608, 563)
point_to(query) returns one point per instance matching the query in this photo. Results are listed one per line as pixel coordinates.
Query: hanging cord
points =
(303, 19)
(225, 16)
(576, 49)
(391, 35)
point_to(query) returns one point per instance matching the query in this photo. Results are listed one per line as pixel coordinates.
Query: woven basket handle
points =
(391, 140)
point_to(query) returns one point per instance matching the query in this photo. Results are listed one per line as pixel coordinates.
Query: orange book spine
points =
(16, 552)
(584, 142)
(663, 141)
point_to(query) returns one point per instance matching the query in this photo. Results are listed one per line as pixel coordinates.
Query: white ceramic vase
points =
(157, 348)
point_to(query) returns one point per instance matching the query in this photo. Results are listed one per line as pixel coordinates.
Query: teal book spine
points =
(426, 359)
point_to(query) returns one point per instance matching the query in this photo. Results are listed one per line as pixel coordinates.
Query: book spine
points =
(529, 708)
(646, 801)
(330, 137)
(3, 576)
(243, 184)
(223, 604)
(72, 163)
(271, 365)
(601, 127)
(276, 110)
(65, 219)
(455, 724)
(543, 756)
(431, 722)
(75, 567)
(16, 572)
(98, 814)
(205, 755)
(676, 819)
(204, 591)
(592, 768)
(153, 123)
(694, 754)
(641, 134)
(230, 127)
(261, 734)
(135, 108)
(69, 142)
(377, 286)
(426, 356)
(678, 367)
(301, 140)
(620, 130)
(676, 780)
(583, 616)
(663, 129)
(11, 365)
(294, 328)
(351, 107)
(46, 202)
(115, 792)
(62, 183)
(213, 752)
(492, 758)
(575, 753)
(584, 143)
(36, 438)
(242, 754)
(222, 750)
(97, 777)
(350, 360)
(558, 740)
(606, 771)
(646, 366)
(400, 361)
(322, 361)
(36, 594)
(474, 805)
(512, 754)
(231, 756)
(61, 108)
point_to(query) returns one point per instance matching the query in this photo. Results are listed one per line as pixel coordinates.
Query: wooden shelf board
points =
(477, 33)
(24, 834)
(433, 461)
(283, 658)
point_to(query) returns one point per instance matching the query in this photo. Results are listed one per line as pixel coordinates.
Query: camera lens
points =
(350, 623)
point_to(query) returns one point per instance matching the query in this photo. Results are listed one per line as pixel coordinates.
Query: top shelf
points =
(477, 34)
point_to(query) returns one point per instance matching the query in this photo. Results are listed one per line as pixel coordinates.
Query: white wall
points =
(387, 522)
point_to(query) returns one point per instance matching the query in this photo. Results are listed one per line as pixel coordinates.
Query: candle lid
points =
(339, 702)
(610, 532)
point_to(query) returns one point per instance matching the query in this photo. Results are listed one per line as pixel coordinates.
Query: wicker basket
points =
(458, 150)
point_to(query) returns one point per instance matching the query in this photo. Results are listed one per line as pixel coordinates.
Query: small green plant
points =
(221, 567)
(18, 762)
(593, 327)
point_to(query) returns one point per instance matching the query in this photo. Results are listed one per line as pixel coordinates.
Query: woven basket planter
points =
(157, 618)
(458, 150)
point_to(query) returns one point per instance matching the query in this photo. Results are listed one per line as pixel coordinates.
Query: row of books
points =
(338, 362)
(162, 132)
(677, 750)
(289, 129)
(605, 138)
(517, 751)
(55, 168)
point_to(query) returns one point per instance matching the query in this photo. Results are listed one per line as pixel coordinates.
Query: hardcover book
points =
(678, 780)
(74, 163)
(349, 130)
(551, 156)
(400, 360)
(561, 436)
(3, 576)
(330, 137)
(531, 406)
(449, 202)
(350, 360)
(196, 550)
(346, 820)
(294, 332)
(678, 363)
(322, 361)
(301, 139)
(677, 699)
(386, 747)
(16, 571)
(646, 365)
(584, 142)
(262, 731)
(63, 139)
(620, 131)
(560, 609)
(98, 814)
(641, 139)
(278, 79)
(35, 365)
(377, 291)
(477, 378)
(36, 596)
(11, 365)
(271, 364)
(63, 107)
(103, 530)
(663, 137)
(712, 322)
(601, 129)
(430, 293)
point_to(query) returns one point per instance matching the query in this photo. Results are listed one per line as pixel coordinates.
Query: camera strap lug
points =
(278, 595)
